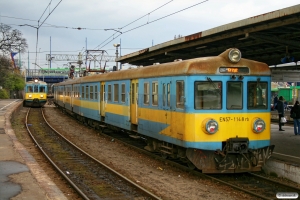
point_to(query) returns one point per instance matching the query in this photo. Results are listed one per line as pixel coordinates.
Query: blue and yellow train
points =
(212, 113)
(35, 93)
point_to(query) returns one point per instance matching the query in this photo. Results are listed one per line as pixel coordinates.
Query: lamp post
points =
(117, 53)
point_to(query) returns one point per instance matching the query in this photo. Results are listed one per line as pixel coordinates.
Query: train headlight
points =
(42, 95)
(30, 96)
(235, 55)
(259, 125)
(210, 126)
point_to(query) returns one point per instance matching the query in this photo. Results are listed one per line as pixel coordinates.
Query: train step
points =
(102, 127)
(166, 147)
(166, 152)
(135, 136)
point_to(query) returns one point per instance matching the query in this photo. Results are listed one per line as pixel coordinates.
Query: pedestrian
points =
(296, 111)
(280, 109)
(275, 102)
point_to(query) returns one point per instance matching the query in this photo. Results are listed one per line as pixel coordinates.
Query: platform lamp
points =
(117, 53)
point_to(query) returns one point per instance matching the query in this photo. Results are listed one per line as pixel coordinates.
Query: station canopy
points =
(272, 38)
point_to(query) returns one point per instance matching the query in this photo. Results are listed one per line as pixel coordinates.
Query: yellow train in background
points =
(35, 93)
(212, 113)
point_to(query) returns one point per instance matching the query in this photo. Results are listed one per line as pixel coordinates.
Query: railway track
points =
(253, 184)
(250, 183)
(88, 176)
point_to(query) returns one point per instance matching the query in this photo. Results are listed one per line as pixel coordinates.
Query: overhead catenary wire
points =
(149, 23)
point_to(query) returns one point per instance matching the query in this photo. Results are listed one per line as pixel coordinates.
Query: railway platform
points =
(285, 160)
(20, 174)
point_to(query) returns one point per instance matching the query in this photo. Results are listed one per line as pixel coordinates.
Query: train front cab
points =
(35, 94)
(232, 123)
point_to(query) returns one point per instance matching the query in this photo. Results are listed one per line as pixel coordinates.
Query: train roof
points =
(204, 65)
(35, 83)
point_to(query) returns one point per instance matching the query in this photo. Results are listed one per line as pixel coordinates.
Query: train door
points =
(102, 100)
(166, 105)
(134, 101)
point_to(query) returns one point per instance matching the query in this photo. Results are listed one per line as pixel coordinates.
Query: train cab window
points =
(87, 92)
(234, 96)
(36, 88)
(123, 93)
(146, 93)
(29, 89)
(116, 92)
(208, 95)
(91, 92)
(257, 95)
(42, 88)
(155, 93)
(180, 94)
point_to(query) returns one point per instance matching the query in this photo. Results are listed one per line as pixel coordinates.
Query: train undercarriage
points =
(235, 157)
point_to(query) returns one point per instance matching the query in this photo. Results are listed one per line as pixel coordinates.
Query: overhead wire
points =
(130, 24)
(39, 25)
(150, 23)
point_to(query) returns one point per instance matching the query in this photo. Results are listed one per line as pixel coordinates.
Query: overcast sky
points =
(143, 23)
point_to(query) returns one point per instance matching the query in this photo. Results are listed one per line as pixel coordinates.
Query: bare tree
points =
(11, 40)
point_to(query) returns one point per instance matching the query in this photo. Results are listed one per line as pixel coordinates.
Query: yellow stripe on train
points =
(189, 127)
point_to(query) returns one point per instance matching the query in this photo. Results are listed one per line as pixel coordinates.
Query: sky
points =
(72, 26)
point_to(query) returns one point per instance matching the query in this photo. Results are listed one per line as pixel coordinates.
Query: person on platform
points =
(275, 102)
(296, 110)
(280, 109)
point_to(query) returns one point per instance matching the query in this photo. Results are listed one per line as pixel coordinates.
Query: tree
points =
(9, 79)
(11, 40)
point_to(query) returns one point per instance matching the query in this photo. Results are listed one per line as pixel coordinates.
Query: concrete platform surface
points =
(20, 174)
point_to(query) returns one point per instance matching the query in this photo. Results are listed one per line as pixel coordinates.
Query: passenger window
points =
(257, 95)
(96, 92)
(91, 92)
(87, 92)
(208, 95)
(123, 93)
(82, 92)
(155, 93)
(234, 95)
(146, 93)
(116, 92)
(109, 93)
(180, 98)
(30, 89)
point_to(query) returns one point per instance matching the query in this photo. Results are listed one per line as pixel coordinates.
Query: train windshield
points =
(234, 95)
(257, 93)
(29, 89)
(42, 89)
(208, 95)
